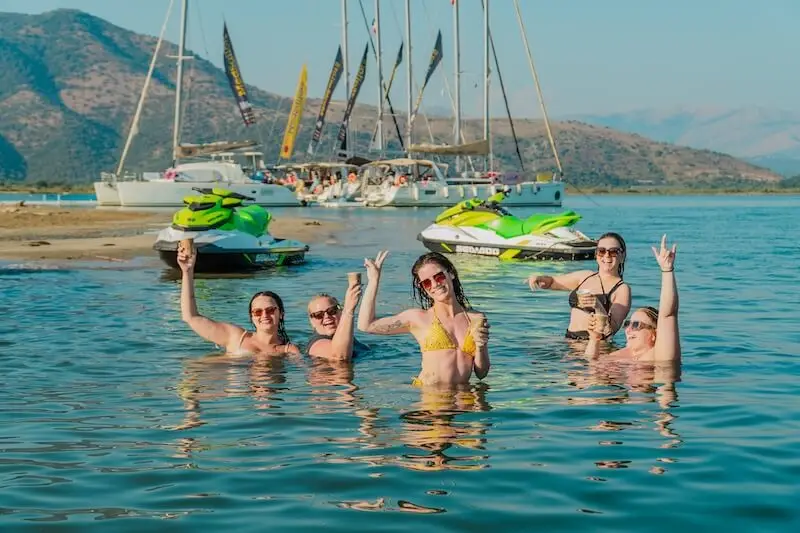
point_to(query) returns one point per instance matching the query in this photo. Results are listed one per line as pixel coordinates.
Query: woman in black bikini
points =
(590, 290)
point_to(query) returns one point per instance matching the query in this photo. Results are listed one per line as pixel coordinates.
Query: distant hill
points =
(762, 136)
(71, 82)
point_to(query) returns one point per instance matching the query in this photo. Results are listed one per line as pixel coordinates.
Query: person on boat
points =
(652, 334)
(266, 313)
(334, 325)
(451, 335)
(592, 290)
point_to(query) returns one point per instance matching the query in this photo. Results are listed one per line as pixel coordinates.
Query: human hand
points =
(186, 257)
(587, 301)
(480, 332)
(351, 298)
(538, 281)
(597, 326)
(665, 256)
(374, 266)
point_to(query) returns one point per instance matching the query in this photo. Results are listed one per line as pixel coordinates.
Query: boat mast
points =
(538, 89)
(379, 133)
(346, 73)
(176, 127)
(488, 162)
(409, 96)
(457, 64)
(135, 122)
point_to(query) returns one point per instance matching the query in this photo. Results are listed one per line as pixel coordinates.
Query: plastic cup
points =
(187, 245)
(354, 278)
(600, 321)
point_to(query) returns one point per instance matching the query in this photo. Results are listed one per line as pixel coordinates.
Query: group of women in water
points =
(453, 337)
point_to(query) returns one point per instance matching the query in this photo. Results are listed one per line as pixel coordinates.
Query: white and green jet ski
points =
(483, 227)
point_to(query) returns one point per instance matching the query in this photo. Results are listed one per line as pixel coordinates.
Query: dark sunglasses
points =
(613, 252)
(265, 311)
(331, 312)
(636, 325)
(438, 278)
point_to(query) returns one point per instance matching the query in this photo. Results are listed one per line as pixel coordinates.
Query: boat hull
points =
(167, 193)
(529, 194)
(106, 193)
(230, 251)
(570, 245)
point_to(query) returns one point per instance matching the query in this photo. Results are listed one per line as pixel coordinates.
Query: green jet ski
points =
(483, 227)
(228, 236)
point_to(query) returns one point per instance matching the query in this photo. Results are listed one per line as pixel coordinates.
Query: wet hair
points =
(621, 241)
(324, 295)
(651, 312)
(282, 335)
(418, 293)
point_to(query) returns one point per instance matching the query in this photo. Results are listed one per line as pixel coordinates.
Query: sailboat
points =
(434, 186)
(207, 165)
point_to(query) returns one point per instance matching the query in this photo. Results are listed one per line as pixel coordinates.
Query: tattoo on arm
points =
(388, 328)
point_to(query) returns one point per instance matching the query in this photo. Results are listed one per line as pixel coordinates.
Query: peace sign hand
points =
(665, 256)
(374, 266)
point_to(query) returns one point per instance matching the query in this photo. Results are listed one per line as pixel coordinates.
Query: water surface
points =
(111, 412)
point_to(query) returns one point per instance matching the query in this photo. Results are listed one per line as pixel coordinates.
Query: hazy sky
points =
(592, 56)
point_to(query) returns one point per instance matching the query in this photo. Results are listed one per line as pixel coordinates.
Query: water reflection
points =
(214, 377)
(609, 381)
(434, 428)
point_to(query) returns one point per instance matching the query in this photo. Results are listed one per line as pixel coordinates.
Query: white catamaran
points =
(421, 182)
(208, 165)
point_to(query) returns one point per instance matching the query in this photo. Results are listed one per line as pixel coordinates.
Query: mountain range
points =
(763, 136)
(71, 82)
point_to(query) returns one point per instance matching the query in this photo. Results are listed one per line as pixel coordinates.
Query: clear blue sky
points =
(592, 56)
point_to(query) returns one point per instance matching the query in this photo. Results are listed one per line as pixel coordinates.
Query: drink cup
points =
(187, 245)
(354, 278)
(600, 322)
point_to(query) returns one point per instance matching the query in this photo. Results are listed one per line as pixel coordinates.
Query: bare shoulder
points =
(476, 316)
(292, 349)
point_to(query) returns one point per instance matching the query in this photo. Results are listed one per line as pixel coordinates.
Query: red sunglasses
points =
(265, 311)
(438, 278)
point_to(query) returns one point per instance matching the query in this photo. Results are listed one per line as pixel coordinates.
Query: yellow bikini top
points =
(439, 339)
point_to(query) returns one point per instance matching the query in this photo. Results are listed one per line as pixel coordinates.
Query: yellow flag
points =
(293, 124)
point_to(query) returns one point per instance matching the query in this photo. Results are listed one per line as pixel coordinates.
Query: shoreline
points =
(44, 233)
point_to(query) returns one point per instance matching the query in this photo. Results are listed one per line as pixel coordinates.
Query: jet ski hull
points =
(230, 251)
(570, 246)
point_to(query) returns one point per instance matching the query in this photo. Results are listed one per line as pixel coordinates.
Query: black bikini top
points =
(604, 298)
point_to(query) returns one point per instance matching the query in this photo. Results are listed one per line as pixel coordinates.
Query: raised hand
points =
(665, 256)
(374, 266)
(351, 298)
(186, 258)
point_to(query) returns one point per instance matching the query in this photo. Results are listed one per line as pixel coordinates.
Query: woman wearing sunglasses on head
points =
(652, 334)
(333, 324)
(266, 314)
(453, 339)
(604, 290)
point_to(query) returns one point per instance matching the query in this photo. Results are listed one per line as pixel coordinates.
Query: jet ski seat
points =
(542, 223)
(255, 218)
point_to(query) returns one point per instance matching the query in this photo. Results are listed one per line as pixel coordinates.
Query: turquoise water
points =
(110, 419)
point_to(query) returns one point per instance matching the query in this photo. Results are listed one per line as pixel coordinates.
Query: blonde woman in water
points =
(452, 338)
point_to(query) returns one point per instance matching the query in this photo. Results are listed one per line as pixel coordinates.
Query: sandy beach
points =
(88, 234)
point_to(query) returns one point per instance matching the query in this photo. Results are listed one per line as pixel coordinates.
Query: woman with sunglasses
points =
(453, 338)
(604, 289)
(266, 314)
(652, 334)
(333, 325)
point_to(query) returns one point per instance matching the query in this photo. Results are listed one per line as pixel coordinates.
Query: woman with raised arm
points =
(266, 314)
(452, 337)
(589, 291)
(652, 334)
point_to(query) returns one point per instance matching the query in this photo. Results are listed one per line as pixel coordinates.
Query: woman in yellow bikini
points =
(452, 337)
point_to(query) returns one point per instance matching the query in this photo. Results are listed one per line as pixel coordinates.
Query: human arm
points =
(564, 282)
(220, 333)
(595, 336)
(391, 325)
(668, 345)
(481, 363)
(620, 307)
(340, 347)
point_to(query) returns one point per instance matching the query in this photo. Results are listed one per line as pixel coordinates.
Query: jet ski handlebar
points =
(228, 194)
